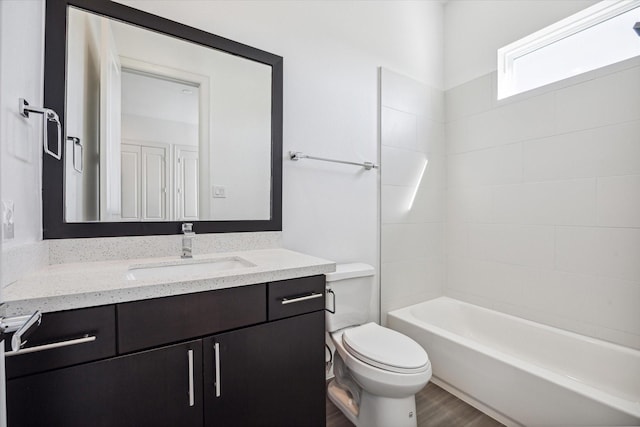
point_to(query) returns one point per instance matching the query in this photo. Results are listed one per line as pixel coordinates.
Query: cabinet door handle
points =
(216, 351)
(313, 295)
(191, 392)
(51, 346)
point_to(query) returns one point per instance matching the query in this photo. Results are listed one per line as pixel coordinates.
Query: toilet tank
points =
(352, 285)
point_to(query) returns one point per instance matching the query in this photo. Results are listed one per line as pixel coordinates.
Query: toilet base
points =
(375, 411)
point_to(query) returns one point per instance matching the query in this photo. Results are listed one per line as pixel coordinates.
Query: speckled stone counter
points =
(87, 284)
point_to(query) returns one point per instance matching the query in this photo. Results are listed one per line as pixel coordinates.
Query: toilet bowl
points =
(380, 370)
(391, 373)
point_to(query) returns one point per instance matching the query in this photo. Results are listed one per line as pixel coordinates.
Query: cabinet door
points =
(159, 387)
(269, 375)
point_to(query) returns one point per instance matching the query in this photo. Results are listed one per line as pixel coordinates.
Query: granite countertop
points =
(87, 284)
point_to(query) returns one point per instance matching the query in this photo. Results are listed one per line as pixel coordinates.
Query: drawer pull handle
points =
(299, 299)
(191, 392)
(216, 351)
(51, 346)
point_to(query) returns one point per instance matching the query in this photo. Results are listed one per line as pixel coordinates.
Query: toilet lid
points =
(385, 349)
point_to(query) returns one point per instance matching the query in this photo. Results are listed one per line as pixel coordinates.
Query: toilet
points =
(377, 370)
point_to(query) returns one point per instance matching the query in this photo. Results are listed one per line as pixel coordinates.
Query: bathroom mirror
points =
(163, 123)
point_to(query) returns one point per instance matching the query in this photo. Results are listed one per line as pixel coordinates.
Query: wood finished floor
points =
(436, 408)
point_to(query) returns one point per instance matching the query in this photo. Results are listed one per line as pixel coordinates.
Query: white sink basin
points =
(187, 268)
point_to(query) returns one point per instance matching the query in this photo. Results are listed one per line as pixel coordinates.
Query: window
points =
(593, 38)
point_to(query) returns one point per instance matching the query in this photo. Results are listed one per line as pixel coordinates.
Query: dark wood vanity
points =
(244, 356)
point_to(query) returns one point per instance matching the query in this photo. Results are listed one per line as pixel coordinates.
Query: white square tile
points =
(494, 281)
(494, 166)
(469, 98)
(514, 244)
(603, 151)
(619, 149)
(558, 294)
(404, 93)
(470, 204)
(610, 252)
(402, 167)
(613, 303)
(601, 101)
(395, 203)
(411, 241)
(428, 205)
(619, 201)
(571, 202)
(399, 129)
(514, 122)
(458, 138)
(406, 282)
(559, 157)
(437, 112)
(457, 239)
(431, 137)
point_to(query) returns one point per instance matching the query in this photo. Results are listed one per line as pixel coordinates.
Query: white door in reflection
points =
(159, 150)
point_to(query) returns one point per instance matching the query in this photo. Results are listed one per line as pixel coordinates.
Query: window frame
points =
(567, 27)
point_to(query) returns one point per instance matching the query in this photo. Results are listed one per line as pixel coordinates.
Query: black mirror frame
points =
(53, 222)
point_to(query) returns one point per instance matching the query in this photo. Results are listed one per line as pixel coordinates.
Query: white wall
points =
(474, 30)
(544, 196)
(21, 47)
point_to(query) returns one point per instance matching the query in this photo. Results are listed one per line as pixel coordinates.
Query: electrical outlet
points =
(7, 219)
(219, 192)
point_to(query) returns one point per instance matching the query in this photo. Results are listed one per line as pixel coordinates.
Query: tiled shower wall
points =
(412, 198)
(543, 200)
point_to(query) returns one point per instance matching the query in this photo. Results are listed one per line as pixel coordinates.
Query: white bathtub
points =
(522, 372)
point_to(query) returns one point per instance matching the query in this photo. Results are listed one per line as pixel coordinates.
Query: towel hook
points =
(77, 158)
(51, 116)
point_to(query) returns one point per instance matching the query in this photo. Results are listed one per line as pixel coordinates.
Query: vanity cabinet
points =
(245, 356)
(268, 375)
(150, 388)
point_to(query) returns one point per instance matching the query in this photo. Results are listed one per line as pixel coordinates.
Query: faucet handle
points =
(187, 227)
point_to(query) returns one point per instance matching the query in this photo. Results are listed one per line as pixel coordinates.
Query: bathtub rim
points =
(626, 406)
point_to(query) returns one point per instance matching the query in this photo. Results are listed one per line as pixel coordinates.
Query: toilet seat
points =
(385, 349)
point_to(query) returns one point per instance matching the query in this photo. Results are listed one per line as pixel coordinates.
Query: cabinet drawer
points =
(154, 322)
(73, 331)
(296, 296)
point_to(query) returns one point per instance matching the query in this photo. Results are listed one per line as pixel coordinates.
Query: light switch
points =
(219, 192)
(7, 220)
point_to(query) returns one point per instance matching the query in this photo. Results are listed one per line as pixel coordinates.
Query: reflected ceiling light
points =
(417, 186)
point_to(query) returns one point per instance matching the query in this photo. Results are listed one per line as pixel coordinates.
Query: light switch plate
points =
(219, 192)
(7, 219)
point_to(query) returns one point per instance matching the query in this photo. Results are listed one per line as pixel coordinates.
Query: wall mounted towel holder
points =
(297, 155)
(51, 116)
(77, 159)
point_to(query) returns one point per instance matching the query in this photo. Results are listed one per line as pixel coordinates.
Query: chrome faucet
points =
(187, 240)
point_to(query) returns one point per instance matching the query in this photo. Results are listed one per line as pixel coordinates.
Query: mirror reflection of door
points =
(159, 159)
(165, 129)
(110, 125)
